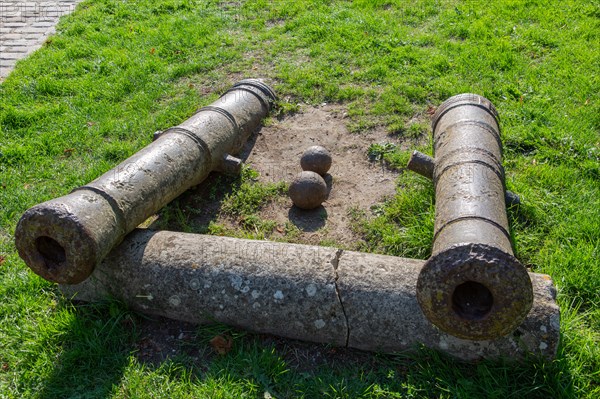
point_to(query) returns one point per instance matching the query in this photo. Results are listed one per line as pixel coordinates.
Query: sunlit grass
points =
(117, 71)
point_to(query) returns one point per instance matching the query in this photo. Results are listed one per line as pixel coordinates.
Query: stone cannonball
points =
(316, 159)
(308, 190)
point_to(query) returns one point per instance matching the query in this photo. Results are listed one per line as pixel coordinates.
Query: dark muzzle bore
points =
(64, 239)
(472, 286)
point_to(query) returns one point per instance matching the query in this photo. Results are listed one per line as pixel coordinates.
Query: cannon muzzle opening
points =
(472, 300)
(474, 291)
(53, 253)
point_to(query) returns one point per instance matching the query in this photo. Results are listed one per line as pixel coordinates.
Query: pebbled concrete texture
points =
(25, 26)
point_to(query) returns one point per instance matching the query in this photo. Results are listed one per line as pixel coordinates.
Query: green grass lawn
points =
(119, 70)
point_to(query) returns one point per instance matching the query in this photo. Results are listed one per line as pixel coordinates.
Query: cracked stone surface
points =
(311, 293)
(25, 26)
(266, 287)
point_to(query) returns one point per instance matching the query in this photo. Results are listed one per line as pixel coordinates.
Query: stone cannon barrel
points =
(64, 239)
(472, 286)
(311, 293)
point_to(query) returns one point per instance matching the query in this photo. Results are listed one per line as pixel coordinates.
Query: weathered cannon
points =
(472, 286)
(317, 294)
(63, 239)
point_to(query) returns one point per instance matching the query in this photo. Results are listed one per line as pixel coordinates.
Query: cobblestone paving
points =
(25, 26)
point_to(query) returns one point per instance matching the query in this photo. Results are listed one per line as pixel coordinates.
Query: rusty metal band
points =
(460, 102)
(463, 218)
(199, 142)
(114, 205)
(483, 125)
(499, 173)
(255, 94)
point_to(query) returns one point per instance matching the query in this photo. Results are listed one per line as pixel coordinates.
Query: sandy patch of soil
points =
(354, 181)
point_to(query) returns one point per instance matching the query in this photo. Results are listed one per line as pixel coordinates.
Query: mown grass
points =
(119, 70)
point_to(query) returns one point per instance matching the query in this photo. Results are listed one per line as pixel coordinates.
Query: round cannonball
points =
(316, 159)
(308, 190)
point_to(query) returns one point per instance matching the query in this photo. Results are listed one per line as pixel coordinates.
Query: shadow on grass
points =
(287, 368)
(93, 353)
(109, 351)
(194, 210)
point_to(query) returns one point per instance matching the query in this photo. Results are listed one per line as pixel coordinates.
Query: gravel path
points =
(25, 25)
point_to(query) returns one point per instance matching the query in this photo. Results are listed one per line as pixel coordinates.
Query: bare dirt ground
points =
(355, 182)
